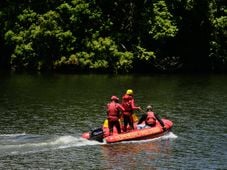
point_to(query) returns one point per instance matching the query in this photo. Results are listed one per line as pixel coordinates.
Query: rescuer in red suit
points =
(150, 118)
(114, 110)
(128, 104)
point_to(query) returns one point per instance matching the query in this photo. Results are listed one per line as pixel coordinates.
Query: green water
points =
(43, 117)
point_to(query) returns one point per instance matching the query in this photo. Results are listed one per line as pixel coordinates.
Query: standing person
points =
(128, 104)
(150, 118)
(114, 110)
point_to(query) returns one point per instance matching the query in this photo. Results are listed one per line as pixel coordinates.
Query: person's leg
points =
(151, 125)
(126, 121)
(110, 126)
(117, 124)
(131, 122)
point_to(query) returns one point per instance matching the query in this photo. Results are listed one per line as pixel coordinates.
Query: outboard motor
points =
(97, 134)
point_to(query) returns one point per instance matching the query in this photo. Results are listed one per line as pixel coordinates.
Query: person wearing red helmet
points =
(128, 104)
(114, 110)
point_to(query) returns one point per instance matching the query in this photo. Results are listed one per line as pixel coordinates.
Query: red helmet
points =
(115, 98)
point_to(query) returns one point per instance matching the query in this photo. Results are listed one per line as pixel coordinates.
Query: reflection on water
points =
(130, 154)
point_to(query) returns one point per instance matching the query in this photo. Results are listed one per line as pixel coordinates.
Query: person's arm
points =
(133, 105)
(120, 107)
(160, 120)
(143, 118)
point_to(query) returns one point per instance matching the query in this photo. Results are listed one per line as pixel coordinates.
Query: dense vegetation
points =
(113, 35)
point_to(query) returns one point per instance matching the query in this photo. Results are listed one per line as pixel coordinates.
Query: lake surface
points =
(43, 117)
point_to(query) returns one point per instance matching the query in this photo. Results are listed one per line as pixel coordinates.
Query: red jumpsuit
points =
(128, 105)
(113, 115)
(151, 119)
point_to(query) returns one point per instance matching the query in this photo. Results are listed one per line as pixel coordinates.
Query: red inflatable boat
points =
(139, 133)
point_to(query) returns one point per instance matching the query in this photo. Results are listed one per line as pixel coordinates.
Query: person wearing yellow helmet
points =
(129, 92)
(128, 104)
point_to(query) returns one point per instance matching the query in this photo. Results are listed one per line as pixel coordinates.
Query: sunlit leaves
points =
(27, 18)
(107, 55)
(221, 24)
(125, 62)
(145, 55)
(111, 36)
(218, 51)
(163, 26)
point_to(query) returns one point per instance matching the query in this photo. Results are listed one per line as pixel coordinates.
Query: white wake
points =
(13, 144)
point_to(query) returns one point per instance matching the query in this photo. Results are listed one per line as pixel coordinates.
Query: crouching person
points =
(150, 118)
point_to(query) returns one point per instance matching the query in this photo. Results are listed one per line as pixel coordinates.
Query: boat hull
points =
(137, 134)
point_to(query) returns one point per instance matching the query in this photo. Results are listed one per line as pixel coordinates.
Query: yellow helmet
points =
(129, 92)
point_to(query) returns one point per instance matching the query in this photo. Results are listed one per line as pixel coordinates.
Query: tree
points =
(113, 36)
(218, 42)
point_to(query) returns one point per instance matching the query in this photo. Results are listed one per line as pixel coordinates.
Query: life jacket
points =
(126, 104)
(150, 120)
(113, 112)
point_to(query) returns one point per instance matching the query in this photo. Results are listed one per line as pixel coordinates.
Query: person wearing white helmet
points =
(150, 118)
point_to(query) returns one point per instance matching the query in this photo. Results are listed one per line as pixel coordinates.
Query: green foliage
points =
(38, 42)
(104, 55)
(101, 54)
(125, 62)
(162, 27)
(113, 36)
(63, 61)
(218, 51)
(27, 18)
(145, 55)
